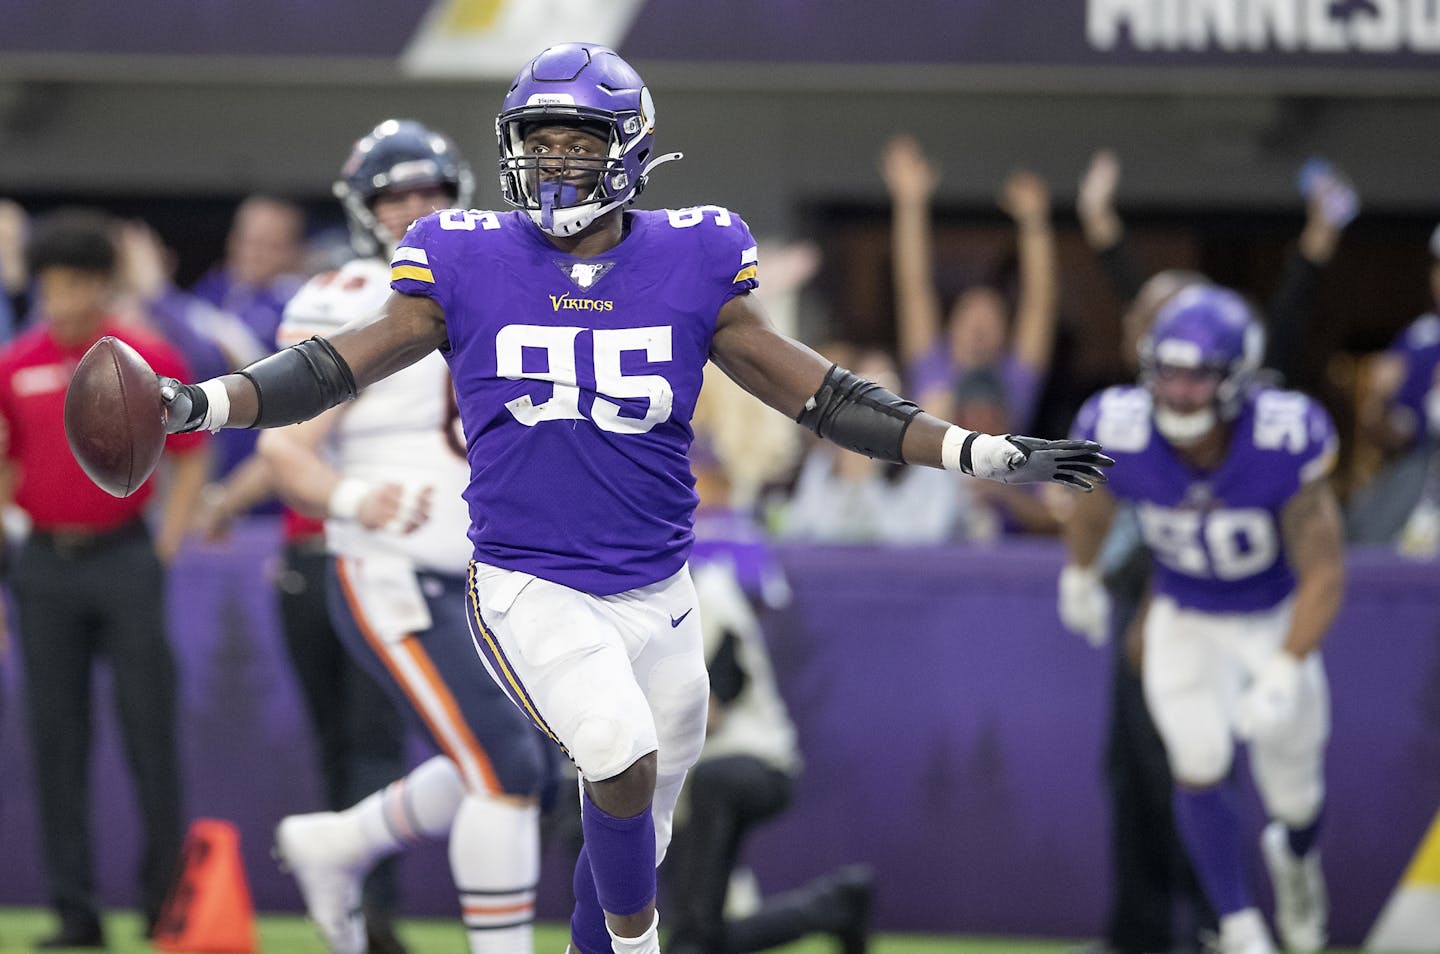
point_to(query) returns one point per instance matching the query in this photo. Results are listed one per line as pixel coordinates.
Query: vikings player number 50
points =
(1232, 543)
(558, 343)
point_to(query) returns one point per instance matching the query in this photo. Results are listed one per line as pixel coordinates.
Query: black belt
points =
(79, 541)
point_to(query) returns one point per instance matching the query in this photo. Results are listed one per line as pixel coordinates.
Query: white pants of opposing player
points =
(1197, 665)
(609, 678)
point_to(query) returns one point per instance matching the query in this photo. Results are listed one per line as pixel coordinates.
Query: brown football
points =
(114, 418)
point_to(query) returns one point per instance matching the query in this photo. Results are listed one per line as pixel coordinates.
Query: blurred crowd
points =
(981, 355)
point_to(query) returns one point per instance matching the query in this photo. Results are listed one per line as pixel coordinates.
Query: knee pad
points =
(604, 747)
(1201, 759)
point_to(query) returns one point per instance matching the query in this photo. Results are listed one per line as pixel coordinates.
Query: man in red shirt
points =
(89, 579)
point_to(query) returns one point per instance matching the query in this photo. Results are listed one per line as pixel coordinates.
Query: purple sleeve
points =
(1083, 429)
(262, 313)
(730, 255)
(415, 262)
(932, 371)
(1022, 392)
(172, 315)
(1319, 457)
(1418, 346)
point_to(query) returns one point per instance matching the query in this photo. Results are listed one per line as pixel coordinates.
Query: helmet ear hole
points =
(643, 155)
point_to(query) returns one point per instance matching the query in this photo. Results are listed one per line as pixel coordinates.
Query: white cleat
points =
(1301, 909)
(1243, 932)
(319, 850)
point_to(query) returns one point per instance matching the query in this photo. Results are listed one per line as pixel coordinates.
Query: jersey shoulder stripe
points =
(411, 262)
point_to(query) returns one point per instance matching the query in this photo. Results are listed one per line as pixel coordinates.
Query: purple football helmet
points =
(1203, 328)
(397, 154)
(577, 84)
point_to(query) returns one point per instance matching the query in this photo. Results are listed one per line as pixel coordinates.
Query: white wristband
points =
(951, 446)
(217, 415)
(345, 499)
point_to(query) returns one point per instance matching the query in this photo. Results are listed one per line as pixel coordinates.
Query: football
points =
(114, 418)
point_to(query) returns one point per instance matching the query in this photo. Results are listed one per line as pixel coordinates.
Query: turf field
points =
(285, 934)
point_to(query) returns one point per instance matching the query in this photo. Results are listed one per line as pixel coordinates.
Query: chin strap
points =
(555, 194)
(550, 192)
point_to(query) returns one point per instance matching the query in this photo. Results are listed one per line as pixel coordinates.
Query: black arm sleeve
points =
(859, 415)
(1291, 309)
(1118, 263)
(299, 382)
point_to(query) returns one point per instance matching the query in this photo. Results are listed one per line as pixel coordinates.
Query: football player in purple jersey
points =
(577, 330)
(1229, 480)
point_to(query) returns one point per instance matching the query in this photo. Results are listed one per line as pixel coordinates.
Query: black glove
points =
(1076, 463)
(185, 405)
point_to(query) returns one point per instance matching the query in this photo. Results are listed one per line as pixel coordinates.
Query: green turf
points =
(287, 934)
(283, 934)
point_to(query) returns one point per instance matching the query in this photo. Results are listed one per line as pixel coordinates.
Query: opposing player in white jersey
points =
(388, 470)
(1230, 484)
(577, 331)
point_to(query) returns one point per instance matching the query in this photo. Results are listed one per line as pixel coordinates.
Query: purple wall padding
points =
(952, 733)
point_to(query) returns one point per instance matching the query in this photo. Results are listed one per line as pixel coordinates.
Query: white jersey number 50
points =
(1220, 544)
(610, 381)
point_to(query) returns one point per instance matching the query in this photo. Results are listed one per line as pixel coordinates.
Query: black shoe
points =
(380, 937)
(854, 888)
(74, 934)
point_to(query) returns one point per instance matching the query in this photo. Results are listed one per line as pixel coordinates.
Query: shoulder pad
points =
(1295, 425)
(1424, 332)
(725, 237)
(1122, 420)
(357, 289)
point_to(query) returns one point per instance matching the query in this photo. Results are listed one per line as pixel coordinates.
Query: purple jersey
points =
(576, 381)
(1418, 346)
(1216, 535)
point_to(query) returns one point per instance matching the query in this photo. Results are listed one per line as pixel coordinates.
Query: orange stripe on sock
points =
(394, 803)
(493, 910)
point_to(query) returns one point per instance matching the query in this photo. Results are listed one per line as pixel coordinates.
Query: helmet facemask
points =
(1203, 331)
(587, 87)
(398, 155)
(1184, 427)
(563, 194)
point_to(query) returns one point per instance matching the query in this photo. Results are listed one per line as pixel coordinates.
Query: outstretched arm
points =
(300, 382)
(861, 416)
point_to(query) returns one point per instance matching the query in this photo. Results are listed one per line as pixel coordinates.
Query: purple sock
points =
(1210, 830)
(1303, 839)
(622, 858)
(587, 921)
